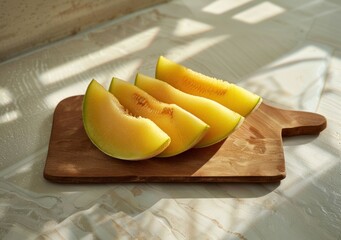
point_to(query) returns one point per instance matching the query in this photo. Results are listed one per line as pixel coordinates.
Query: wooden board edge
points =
(164, 179)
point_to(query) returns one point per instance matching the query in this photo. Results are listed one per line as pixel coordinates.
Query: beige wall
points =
(25, 24)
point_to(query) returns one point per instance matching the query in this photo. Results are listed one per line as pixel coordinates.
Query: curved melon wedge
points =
(115, 132)
(222, 121)
(230, 95)
(184, 129)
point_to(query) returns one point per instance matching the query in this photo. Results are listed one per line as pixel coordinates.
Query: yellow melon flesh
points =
(184, 129)
(231, 96)
(222, 121)
(115, 132)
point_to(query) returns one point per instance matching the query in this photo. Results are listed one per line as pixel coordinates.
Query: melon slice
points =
(222, 121)
(115, 132)
(184, 129)
(230, 95)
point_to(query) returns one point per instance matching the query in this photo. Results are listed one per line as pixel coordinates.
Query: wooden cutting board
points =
(253, 153)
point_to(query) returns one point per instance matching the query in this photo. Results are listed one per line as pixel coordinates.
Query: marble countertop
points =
(289, 52)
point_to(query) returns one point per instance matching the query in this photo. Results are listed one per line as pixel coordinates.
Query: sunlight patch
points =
(187, 27)
(112, 52)
(259, 13)
(9, 116)
(296, 80)
(5, 96)
(221, 6)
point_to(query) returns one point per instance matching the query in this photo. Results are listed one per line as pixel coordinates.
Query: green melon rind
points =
(163, 146)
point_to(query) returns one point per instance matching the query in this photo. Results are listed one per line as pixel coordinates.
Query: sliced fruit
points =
(184, 129)
(222, 121)
(230, 95)
(117, 133)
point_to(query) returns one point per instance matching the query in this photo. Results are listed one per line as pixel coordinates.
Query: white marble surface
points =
(287, 51)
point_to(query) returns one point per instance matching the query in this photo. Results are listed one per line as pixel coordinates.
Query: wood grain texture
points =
(253, 153)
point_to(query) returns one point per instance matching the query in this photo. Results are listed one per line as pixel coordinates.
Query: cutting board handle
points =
(297, 122)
